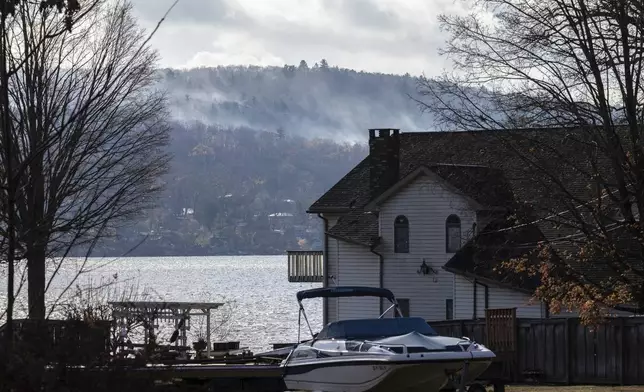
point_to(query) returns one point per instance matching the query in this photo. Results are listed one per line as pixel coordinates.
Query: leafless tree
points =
(220, 324)
(68, 9)
(90, 302)
(574, 65)
(87, 131)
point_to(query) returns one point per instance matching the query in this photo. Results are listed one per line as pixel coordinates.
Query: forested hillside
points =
(254, 147)
(317, 101)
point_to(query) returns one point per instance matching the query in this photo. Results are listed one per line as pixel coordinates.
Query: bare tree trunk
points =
(92, 132)
(36, 241)
(36, 263)
(34, 183)
(9, 205)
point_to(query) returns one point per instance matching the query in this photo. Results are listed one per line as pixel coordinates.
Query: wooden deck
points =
(305, 266)
(208, 372)
(215, 377)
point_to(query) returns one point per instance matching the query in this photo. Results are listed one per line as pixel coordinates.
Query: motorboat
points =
(380, 354)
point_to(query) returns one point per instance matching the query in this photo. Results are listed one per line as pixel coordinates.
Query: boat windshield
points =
(375, 328)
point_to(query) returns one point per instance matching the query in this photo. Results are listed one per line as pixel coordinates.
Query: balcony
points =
(305, 266)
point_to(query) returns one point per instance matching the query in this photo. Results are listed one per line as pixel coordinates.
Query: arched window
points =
(401, 234)
(452, 234)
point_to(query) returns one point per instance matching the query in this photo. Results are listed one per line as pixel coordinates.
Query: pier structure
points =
(148, 313)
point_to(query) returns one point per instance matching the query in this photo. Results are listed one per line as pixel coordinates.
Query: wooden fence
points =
(62, 341)
(561, 350)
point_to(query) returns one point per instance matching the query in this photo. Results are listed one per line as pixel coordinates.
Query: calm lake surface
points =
(261, 306)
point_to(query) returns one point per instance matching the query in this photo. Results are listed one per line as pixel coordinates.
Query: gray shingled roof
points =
(491, 167)
(358, 227)
(484, 185)
(495, 150)
(353, 188)
(481, 255)
(483, 164)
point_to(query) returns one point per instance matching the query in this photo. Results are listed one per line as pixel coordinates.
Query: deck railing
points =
(305, 266)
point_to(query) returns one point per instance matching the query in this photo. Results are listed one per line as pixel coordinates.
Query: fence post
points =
(623, 360)
(568, 351)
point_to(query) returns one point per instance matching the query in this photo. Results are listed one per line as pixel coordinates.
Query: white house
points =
(406, 218)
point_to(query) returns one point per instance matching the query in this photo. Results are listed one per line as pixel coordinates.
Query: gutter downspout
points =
(546, 305)
(325, 268)
(381, 272)
(474, 304)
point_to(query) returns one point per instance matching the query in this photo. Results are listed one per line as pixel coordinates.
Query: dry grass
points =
(532, 388)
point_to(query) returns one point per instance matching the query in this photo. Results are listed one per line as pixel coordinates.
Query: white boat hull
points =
(390, 375)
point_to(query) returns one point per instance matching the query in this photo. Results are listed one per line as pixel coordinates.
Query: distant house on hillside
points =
(408, 218)
(280, 221)
(187, 212)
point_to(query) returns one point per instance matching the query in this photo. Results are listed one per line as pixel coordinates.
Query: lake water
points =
(261, 306)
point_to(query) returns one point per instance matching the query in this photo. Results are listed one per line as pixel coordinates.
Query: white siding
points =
(498, 298)
(332, 256)
(332, 270)
(352, 265)
(464, 298)
(426, 204)
(502, 298)
(480, 301)
(332, 219)
(359, 267)
(528, 307)
(332, 260)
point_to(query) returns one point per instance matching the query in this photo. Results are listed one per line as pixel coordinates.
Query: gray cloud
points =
(366, 13)
(376, 35)
(206, 12)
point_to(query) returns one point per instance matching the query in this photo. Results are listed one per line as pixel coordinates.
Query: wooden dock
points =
(60, 343)
(208, 372)
(213, 377)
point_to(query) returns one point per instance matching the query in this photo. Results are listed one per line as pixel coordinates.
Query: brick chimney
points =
(384, 152)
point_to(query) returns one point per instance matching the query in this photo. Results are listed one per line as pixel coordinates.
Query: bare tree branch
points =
(558, 85)
(88, 131)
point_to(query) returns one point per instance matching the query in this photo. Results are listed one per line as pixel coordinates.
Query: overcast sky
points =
(392, 36)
